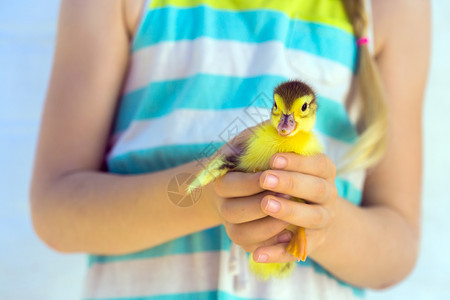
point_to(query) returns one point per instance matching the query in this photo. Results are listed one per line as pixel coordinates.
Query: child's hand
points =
(239, 205)
(309, 178)
(246, 211)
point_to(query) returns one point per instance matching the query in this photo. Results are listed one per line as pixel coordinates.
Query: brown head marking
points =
(291, 90)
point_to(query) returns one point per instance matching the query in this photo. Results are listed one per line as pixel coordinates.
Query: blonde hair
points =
(372, 124)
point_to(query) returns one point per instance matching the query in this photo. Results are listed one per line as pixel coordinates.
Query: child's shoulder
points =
(397, 17)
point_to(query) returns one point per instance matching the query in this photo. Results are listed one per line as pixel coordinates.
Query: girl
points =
(140, 91)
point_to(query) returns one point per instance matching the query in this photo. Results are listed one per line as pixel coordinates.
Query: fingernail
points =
(270, 181)
(280, 162)
(262, 258)
(272, 206)
(284, 237)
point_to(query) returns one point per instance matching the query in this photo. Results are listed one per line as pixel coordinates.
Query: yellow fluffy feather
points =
(289, 130)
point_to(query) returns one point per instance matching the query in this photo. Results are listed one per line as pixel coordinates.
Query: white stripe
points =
(200, 272)
(210, 126)
(181, 59)
(135, 278)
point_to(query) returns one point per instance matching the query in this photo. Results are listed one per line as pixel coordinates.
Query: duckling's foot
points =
(297, 245)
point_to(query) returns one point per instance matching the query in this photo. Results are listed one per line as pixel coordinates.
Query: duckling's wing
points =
(214, 169)
(220, 165)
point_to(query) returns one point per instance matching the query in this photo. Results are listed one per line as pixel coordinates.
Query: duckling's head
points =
(294, 108)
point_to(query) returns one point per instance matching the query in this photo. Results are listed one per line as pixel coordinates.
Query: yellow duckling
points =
(289, 130)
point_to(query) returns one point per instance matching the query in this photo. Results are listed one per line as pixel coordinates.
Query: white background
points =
(29, 270)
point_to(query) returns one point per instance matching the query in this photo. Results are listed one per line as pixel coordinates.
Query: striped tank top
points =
(205, 70)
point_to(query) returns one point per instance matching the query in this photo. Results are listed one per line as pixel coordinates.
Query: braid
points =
(371, 145)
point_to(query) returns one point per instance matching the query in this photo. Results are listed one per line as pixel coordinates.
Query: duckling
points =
(289, 130)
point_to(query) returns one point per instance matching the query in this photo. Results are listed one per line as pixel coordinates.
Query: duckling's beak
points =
(287, 124)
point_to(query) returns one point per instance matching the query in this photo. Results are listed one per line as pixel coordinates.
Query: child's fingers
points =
(273, 253)
(318, 165)
(238, 184)
(255, 232)
(300, 214)
(282, 237)
(302, 186)
(242, 209)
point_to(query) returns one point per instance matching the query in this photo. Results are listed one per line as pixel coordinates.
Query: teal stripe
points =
(348, 191)
(207, 295)
(213, 239)
(174, 24)
(202, 92)
(332, 120)
(160, 158)
(165, 157)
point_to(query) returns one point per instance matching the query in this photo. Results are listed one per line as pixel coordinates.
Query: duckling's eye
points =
(304, 106)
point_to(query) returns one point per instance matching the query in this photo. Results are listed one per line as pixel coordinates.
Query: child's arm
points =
(389, 225)
(75, 207)
(375, 245)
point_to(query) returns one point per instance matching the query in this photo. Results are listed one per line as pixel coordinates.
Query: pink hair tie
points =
(362, 41)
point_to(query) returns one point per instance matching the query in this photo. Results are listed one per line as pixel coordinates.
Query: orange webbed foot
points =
(297, 245)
